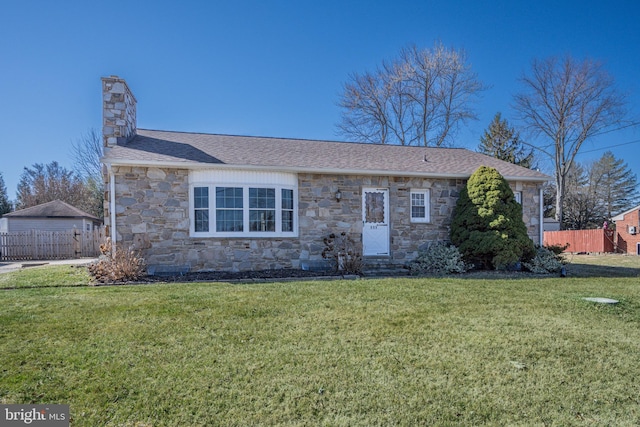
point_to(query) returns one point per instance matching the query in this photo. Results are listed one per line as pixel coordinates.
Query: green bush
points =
(557, 249)
(439, 259)
(487, 225)
(546, 261)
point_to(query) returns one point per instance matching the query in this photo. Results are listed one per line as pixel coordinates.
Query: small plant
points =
(117, 264)
(439, 258)
(545, 261)
(344, 252)
(557, 249)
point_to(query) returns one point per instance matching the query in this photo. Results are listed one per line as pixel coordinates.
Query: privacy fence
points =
(597, 240)
(38, 245)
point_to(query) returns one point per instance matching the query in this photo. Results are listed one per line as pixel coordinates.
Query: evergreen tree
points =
(5, 205)
(616, 185)
(487, 225)
(504, 143)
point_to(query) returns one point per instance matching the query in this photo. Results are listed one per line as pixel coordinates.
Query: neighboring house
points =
(223, 202)
(52, 216)
(551, 224)
(628, 231)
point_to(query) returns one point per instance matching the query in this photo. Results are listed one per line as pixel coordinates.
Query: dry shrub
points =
(344, 252)
(119, 265)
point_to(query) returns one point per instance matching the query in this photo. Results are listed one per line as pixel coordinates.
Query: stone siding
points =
(118, 111)
(530, 207)
(152, 213)
(321, 214)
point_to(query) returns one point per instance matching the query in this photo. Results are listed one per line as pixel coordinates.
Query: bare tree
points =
(45, 183)
(566, 102)
(86, 153)
(419, 98)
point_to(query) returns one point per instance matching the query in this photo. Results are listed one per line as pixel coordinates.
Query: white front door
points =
(375, 219)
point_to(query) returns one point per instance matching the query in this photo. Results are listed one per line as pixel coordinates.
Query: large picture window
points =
(420, 206)
(229, 202)
(255, 210)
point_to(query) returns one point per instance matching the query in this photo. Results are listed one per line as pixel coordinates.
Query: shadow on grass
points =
(572, 270)
(589, 270)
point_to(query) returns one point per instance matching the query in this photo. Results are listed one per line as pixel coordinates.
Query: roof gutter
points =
(293, 169)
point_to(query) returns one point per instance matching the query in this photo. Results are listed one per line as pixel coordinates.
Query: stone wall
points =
(321, 214)
(530, 207)
(152, 213)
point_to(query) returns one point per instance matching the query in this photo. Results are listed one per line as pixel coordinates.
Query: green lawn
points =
(411, 351)
(45, 276)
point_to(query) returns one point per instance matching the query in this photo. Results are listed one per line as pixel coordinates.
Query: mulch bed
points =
(213, 276)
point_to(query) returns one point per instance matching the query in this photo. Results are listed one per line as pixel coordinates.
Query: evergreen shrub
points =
(487, 225)
(439, 258)
(546, 261)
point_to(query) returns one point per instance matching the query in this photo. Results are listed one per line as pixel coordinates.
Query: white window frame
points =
(427, 205)
(252, 179)
(518, 196)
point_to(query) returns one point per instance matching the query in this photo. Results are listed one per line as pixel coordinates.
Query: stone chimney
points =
(118, 112)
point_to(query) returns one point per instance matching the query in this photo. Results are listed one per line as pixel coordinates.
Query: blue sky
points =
(275, 68)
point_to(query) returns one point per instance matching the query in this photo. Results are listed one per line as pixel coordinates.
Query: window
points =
(201, 208)
(243, 203)
(262, 209)
(287, 210)
(229, 204)
(420, 205)
(518, 196)
(243, 211)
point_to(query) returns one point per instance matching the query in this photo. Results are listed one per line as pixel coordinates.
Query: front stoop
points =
(382, 267)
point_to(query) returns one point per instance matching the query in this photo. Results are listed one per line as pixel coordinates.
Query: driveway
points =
(7, 266)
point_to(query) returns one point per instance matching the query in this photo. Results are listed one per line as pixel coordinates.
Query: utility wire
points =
(609, 146)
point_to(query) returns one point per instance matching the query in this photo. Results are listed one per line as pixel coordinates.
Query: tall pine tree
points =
(504, 143)
(617, 185)
(5, 204)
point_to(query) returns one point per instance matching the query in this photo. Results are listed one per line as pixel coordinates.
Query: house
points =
(628, 231)
(226, 202)
(551, 224)
(52, 216)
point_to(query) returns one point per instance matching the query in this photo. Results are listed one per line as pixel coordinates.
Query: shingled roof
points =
(198, 150)
(53, 209)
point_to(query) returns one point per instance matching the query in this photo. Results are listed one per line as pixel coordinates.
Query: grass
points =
(411, 351)
(47, 276)
(603, 265)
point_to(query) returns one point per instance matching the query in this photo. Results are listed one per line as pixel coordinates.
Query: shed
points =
(52, 216)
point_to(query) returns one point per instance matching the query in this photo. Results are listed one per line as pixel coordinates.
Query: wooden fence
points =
(39, 245)
(597, 240)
